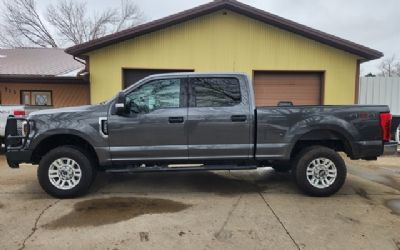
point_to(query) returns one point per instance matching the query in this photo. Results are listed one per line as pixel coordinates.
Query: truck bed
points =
(279, 128)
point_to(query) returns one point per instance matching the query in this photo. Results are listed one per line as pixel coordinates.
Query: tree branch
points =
(23, 25)
(22, 17)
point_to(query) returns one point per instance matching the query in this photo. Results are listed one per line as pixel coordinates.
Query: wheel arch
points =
(55, 140)
(334, 138)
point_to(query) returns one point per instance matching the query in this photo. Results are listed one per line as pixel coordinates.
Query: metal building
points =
(286, 60)
(385, 91)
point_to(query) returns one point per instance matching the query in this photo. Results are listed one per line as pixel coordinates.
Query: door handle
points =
(238, 118)
(178, 119)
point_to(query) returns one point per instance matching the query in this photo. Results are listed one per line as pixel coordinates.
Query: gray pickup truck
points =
(201, 122)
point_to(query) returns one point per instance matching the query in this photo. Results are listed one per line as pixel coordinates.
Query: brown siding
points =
(63, 95)
(300, 88)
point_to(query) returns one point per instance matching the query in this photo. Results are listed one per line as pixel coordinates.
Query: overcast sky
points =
(373, 23)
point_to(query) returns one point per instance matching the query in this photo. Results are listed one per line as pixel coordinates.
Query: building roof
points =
(38, 62)
(232, 5)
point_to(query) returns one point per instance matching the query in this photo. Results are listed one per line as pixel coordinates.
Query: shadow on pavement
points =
(221, 183)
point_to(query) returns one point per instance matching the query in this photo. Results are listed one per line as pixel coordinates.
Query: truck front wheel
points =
(66, 172)
(319, 171)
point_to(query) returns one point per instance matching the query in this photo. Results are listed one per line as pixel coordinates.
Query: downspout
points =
(79, 60)
(85, 71)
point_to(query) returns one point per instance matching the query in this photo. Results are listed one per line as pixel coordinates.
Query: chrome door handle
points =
(238, 118)
(176, 119)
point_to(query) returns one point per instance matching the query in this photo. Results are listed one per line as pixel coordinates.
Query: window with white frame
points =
(36, 97)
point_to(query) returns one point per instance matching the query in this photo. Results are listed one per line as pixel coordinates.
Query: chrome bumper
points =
(390, 148)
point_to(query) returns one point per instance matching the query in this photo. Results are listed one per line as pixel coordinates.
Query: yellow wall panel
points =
(227, 42)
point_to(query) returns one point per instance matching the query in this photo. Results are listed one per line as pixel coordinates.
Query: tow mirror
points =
(120, 107)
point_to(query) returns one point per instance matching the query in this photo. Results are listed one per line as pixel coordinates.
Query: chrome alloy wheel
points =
(65, 173)
(321, 173)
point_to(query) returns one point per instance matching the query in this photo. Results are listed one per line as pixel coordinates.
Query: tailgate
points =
(4, 114)
(16, 133)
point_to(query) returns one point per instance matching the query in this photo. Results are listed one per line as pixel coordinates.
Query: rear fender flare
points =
(339, 127)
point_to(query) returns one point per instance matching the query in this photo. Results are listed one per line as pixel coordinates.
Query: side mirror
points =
(120, 107)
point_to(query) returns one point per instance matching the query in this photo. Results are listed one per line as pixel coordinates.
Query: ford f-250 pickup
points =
(188, 118)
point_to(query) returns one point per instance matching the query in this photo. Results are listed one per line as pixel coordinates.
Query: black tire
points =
(281, 167)
(82, 158)
(302, 161)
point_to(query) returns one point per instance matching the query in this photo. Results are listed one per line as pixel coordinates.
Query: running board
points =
(179, 169)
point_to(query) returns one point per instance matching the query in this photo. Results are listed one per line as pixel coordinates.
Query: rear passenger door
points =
(218, 119)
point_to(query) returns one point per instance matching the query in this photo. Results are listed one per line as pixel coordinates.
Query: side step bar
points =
(179, 169)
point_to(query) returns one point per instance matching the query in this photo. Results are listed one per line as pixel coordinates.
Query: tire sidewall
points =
(70, 152)
(306, 157)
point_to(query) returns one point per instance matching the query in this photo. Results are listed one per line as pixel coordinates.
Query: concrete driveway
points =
(225, 210)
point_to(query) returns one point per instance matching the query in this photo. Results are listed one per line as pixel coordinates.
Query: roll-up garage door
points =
(300, 88)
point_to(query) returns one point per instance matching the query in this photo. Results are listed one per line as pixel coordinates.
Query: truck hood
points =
(78, 109)
(73, 118)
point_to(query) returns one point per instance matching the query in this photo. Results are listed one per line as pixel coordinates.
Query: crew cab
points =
(210, 120)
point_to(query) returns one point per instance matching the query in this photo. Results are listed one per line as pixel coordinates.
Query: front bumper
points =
(390, 148)
(14, 158)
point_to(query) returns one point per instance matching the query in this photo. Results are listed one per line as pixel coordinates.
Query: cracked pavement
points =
(215, 210)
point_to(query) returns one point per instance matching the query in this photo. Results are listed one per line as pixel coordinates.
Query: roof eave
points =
(263, 16)
(42, 79)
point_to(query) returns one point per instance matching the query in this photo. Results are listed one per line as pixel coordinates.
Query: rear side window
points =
(216, 92)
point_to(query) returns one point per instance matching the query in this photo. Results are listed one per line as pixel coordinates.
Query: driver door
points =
(154, 127)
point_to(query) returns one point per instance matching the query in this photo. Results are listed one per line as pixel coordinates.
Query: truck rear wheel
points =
(319, 171)
(66, 172)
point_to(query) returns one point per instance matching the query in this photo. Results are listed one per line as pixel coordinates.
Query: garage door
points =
(299, 88)
(133, 75)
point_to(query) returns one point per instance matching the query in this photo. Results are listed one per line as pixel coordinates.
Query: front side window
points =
(216, 92)
(36, 98)
(158, 94)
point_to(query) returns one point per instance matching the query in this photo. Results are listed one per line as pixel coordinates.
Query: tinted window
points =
(154, 95)
(216, 92)
(131, 76)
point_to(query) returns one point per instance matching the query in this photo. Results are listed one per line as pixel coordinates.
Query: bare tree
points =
(22, 25)
(390, 66)
(65, 22)
(129, 15)
(397, 68)
(73, 24)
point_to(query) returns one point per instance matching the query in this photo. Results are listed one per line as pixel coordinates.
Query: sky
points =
(372, 23)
